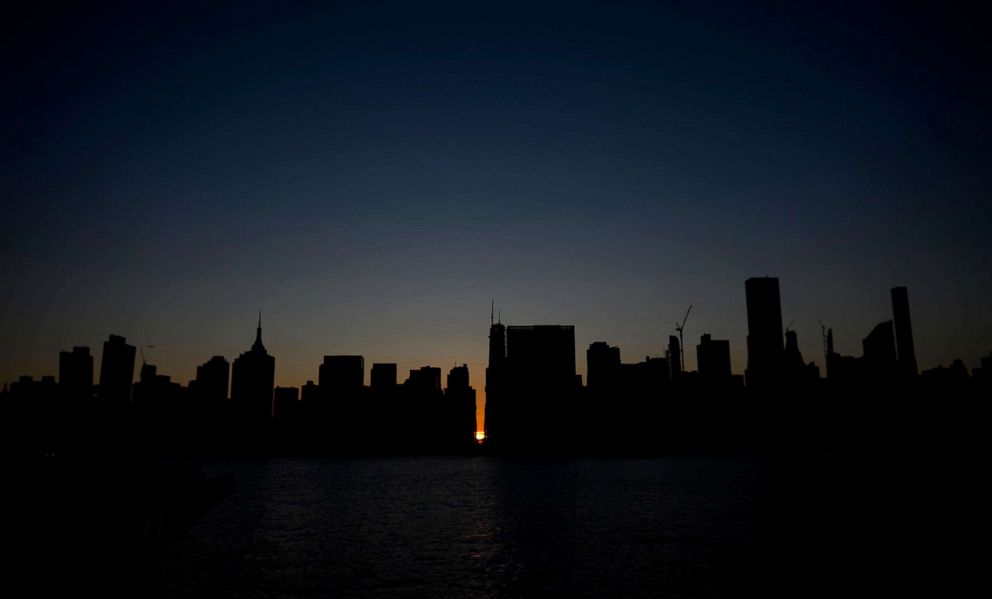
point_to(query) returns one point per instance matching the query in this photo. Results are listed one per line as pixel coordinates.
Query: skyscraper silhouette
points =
(383, 377)
(495, 376)
(906, 353)
(602, 366)
(253, 378)
(341, 376)
(459, 413)
(76, 372)
(211, 381)
(713, 360)
(116, 371)
(764, 331)
(879, 359)
(532, 387)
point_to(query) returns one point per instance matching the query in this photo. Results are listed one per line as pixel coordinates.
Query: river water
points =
(475, 527)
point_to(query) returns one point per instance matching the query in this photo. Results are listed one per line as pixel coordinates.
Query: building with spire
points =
(530, 385)
(495, 371)
(253, 377)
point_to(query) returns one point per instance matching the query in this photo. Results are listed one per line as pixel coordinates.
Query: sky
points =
(372, 175)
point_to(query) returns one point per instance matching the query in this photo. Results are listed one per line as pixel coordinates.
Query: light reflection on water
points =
(478, 527)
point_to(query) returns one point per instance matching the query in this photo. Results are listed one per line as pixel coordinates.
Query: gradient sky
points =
(371, 175)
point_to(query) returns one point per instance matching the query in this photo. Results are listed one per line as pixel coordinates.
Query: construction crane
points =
(679, 327)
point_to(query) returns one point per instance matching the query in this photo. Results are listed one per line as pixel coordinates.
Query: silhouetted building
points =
(906, 353)
(675, 357)
(459, 413)
(31, 417)
(840, 369)
(426, 381)
(458, 377)
(497, 344)
(383, 377)
(983, 374)
(310, 392)
(116, 371)
(253, 376)
(286, 401)
(946, 378)
(602, 366)
(211, 382)
(764, 330)
(545, 349)
(880, 345)
(76, 372)
(794, 369)
(535, 387)
(495, 376)
(154, 392)
(879, 359)
(792, 358)
(341, 376)
(713, 360)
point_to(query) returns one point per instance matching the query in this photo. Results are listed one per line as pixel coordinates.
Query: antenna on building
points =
(789, 327)
(492, 308)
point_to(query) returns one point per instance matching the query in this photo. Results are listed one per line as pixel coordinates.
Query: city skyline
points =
(764, 318)
(371, 177)
(505, 299)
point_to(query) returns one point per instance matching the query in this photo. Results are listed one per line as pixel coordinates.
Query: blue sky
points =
(371, 176)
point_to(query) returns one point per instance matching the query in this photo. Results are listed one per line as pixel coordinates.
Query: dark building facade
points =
(253, 376)
(906, 352)
(286, 400)
(879, 358)
(383, 377)
(76, 372)
(495, 376)
(117, 371)
(713, 360)
(602, 366)
(212, 377)
(764, 331)
(533, 388)
(458, 418)
(341, 376)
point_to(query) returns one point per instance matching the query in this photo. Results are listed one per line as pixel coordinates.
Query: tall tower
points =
(76, 372)
(764, 330)
(117, 371)
(253, 377)
(211, 381)
(904, 332)
(495, 372)
(497, 341)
